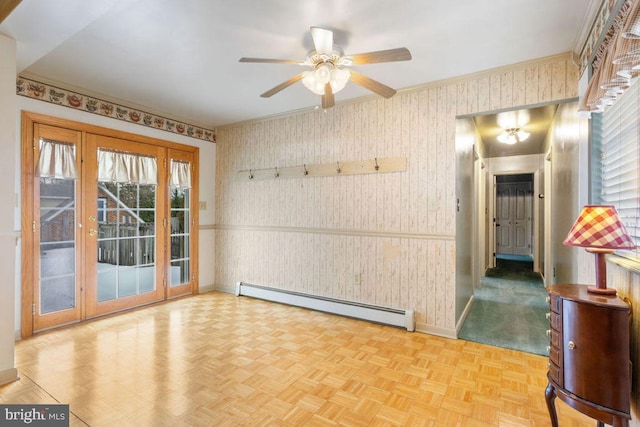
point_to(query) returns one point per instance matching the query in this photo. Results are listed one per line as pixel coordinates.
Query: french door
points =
(58, 264)
(108, 223)
(124, 237)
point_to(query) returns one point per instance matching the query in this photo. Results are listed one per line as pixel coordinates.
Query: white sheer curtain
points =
(180, 174)
(126, 168)
(57, 160)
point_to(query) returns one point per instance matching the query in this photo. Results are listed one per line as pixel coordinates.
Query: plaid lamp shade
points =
(599, 227)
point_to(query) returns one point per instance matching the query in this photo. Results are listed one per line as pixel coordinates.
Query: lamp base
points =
(601, 291)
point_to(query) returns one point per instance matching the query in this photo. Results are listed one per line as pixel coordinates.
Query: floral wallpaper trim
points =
(47, 93)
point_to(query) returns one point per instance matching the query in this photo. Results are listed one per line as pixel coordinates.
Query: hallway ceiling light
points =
(512, 135)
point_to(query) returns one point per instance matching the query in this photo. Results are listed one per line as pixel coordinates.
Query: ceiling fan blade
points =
(391, 55)
(328, 100)
(372, 85)
(322, 40)
(283, 85)
(272, 61)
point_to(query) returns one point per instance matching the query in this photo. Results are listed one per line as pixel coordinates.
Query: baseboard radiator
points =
(387, 316)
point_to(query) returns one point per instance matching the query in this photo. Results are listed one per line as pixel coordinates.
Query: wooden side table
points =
(589, 361)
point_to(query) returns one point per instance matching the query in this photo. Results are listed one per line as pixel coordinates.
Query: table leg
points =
(550, 396)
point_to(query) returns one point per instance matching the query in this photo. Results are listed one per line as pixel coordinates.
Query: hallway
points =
(509, 309)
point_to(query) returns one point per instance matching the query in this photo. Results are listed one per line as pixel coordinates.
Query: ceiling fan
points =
(328, 74)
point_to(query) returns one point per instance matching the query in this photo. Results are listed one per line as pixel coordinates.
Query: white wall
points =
(207, 155)
(8, 239)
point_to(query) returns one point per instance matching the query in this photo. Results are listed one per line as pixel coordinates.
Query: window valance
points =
(180, 174)
(114, 166)
(57, 160)
(618, 63)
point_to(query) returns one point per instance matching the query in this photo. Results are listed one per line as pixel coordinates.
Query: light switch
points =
(203, 205)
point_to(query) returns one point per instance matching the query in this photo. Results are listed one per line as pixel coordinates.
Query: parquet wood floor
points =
(221, 360)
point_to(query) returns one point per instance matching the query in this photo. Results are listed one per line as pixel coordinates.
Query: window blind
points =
(620, 158)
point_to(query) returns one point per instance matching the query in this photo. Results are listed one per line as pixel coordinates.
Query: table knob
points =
(571, 345)
(548, 332)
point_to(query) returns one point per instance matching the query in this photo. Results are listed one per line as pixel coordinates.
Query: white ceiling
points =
(179, 58)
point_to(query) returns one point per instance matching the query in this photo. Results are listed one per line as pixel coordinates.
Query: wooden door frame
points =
(28, 120)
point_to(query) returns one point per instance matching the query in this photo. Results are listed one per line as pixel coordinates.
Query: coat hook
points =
(306, 172)
(338, 168)
(375, 159)
(250, 174)
(277, 174)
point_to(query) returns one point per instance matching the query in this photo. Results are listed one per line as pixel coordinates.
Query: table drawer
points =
(555, 374)
(555, 321)
(555, 303)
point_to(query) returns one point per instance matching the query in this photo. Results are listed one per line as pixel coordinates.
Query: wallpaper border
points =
(67, 98)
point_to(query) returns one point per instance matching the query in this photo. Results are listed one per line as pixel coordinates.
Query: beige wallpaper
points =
(385, 239)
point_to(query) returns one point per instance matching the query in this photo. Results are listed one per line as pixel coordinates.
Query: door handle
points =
(93, 232)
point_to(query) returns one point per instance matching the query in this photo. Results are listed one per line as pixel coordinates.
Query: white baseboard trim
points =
(206, 288)
(225, 289)
(436, 330)
(9, 375)
(464, 315)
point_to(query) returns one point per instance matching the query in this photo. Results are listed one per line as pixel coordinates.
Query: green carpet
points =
(509, 309)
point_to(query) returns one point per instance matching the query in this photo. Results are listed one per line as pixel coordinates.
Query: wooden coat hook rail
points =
(375, 165)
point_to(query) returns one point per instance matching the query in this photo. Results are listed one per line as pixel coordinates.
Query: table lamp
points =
(599, 230)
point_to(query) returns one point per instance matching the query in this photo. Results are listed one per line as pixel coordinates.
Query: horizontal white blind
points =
(621, 161)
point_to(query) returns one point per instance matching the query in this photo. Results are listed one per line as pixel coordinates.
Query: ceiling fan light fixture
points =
(512, 136)
(339, 79)
(328, 74)
(325, 73)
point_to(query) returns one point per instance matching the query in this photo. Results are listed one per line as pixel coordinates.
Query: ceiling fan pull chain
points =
(250, 174)
(375, 159)
(277, 174)
(306, 172)
(338, 170)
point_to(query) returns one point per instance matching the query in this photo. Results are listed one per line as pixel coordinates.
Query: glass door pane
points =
(180, 253)
(126, 240)
(57, 245)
